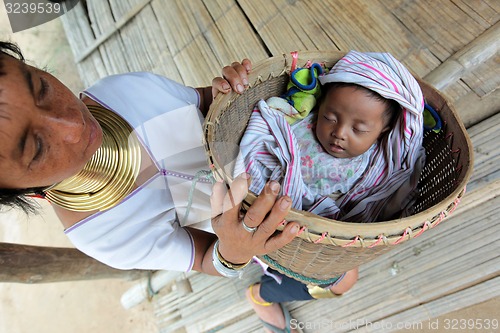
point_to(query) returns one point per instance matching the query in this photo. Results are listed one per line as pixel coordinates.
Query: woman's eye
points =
(38, 149)
(43, 89)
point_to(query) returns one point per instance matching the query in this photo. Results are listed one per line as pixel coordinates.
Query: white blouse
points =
(144, 231)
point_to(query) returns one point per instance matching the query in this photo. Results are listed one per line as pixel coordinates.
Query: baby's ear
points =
(384, 132)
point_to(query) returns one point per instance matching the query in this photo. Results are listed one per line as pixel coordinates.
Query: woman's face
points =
(47, 134)
(349, 122)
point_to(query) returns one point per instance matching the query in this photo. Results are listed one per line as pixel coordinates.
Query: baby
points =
(337, 143)
(363, 145)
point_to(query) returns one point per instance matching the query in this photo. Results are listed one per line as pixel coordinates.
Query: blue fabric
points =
(289, 289)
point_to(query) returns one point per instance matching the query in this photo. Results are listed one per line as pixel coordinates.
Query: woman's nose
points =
(68, 126)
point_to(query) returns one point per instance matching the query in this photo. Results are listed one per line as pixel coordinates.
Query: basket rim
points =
(335, 232)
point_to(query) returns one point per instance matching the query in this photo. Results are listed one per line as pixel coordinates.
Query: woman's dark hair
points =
(392, 108)
(11, 50)
(16, 198)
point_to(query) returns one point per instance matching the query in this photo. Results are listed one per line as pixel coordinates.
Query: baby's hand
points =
(234, 76)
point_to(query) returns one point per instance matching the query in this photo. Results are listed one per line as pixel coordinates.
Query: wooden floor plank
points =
(115, 54)
(479, 11)
(341, 26)
(100, 17)
(441, 26)
(80, 36)
(465, 28)
(141, 45)
(236, 36)
(280, 33)
(200, 46)
(190, 51)
(495, 6)
(486, 78)
(414, 318)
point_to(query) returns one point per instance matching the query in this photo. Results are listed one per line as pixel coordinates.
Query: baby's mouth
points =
(336, 148)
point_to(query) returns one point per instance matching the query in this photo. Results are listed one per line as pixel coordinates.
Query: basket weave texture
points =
(327, 248)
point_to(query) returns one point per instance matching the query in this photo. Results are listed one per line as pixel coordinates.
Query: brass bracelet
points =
(227, 263)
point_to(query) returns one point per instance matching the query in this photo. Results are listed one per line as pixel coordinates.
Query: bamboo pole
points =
(478, 51)
(37, 264)
(147, 287)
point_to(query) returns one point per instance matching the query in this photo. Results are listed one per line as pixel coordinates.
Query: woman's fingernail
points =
(295, 229)
(245, 82)
(226, 87)
(239, 88)
(285, 203)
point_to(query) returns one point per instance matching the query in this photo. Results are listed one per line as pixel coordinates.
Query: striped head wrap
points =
(389, 183)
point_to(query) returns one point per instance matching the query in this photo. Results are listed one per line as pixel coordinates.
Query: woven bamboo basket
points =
(327, 248)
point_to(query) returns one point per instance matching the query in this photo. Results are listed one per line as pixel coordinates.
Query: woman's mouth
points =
(93, 132)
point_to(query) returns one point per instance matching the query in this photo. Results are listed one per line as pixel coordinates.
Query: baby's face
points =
(349, 122)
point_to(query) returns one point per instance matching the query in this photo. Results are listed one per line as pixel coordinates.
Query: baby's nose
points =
(338, 132)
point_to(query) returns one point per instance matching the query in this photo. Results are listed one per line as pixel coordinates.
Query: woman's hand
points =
(234, 76)
(238, 245)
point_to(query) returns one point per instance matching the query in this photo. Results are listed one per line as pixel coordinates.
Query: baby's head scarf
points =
(388, 186)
